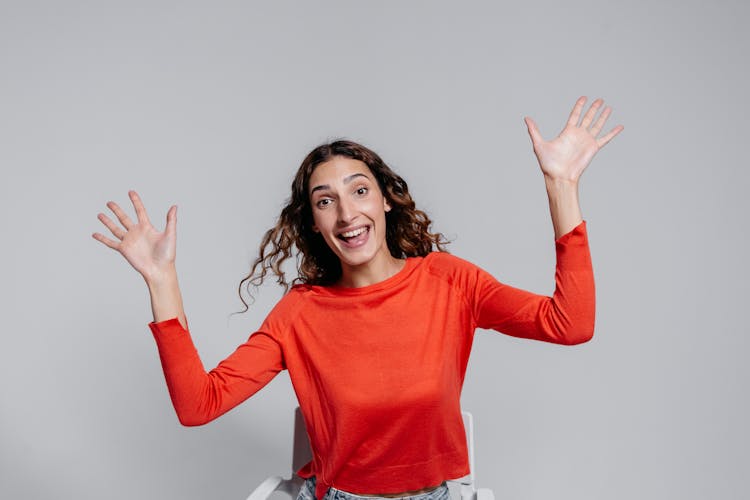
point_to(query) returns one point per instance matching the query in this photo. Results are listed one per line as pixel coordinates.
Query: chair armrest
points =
(485, 494)
(267, 487)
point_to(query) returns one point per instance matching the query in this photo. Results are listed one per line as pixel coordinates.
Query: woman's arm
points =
(567, 317)
(166, 299)
(564, 159)
(151, 253)
(198, 396)
(563, 205)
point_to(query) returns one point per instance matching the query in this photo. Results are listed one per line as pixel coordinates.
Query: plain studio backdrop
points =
(212, 106)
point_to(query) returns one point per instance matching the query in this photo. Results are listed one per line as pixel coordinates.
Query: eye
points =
(323, 202)
(361, 191)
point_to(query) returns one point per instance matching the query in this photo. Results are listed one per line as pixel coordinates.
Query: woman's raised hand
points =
(149, 251)
(567, 156)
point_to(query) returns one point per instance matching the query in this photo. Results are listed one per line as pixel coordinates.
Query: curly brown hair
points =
(407, 228)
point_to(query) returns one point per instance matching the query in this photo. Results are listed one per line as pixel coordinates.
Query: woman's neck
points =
(370, 273)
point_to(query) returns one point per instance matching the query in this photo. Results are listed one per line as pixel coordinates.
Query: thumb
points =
(536, 137)
(171, 220)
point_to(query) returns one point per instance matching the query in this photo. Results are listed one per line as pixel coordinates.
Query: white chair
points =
(464, 485)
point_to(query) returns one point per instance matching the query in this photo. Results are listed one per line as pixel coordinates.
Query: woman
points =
(377, 329)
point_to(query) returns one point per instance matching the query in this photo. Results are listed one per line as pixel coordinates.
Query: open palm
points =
(567, 156)
(149, 251)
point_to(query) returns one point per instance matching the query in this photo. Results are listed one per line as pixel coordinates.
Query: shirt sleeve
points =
(199, 396)
(565, 318)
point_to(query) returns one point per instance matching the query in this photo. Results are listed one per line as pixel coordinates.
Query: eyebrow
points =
(347, 180)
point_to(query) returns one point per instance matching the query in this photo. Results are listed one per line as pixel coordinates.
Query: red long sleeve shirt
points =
(378, 370)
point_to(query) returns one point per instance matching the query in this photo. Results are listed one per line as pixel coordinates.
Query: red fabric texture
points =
(378, 370)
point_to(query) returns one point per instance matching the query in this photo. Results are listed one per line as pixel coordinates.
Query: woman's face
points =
(348, 210)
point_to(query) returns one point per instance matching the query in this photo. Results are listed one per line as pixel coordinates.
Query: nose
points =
(346, 212)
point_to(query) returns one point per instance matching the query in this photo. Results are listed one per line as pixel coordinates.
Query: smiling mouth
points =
(353, 234)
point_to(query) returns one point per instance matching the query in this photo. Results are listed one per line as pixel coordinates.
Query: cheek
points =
(380, 207)
(322, 220)
(316, 223)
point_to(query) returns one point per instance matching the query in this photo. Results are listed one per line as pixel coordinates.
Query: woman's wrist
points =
(563, 204)
(166, 299)
(161, 277)
(560, 184)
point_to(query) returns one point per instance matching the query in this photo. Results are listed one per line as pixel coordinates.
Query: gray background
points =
(213, 106)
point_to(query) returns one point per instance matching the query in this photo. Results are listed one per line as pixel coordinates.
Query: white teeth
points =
(355, 232)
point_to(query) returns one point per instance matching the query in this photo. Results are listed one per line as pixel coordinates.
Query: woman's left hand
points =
(567, 156)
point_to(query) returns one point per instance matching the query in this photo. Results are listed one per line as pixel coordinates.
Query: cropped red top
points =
(378, 370)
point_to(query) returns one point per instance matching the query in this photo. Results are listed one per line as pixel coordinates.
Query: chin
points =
(355, 259)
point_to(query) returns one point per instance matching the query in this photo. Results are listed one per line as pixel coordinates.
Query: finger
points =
(591, 113)
(121, 216)
(140, 210)
(597, 127)
(171, 228)
(119, 233)
(536, 137)
(576, 113)
(110, 243)
(612, 133)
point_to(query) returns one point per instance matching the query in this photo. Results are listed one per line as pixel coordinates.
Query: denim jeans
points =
(307, 492)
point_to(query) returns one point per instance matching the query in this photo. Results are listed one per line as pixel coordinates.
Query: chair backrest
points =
(302, 454)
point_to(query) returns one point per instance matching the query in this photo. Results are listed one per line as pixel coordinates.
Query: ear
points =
(386, 205)
(315, 228)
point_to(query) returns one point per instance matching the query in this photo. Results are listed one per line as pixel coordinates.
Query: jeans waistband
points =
(307, 492)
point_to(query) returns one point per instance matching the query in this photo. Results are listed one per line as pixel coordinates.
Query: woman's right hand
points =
(150, 252)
